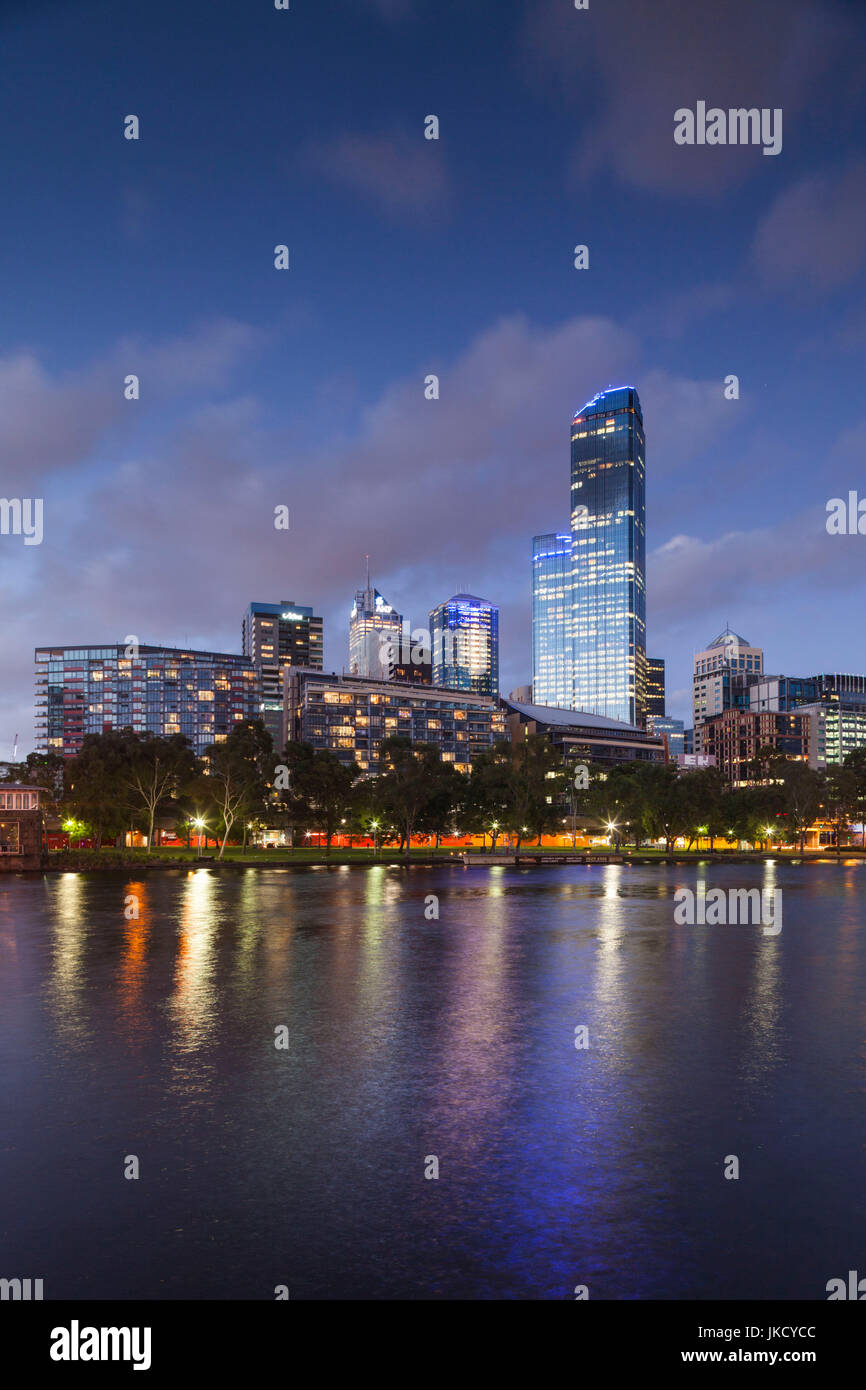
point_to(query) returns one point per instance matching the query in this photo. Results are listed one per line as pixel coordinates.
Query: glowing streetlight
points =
(199, 825)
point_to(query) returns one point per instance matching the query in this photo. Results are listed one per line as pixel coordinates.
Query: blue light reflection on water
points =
(412, 1037)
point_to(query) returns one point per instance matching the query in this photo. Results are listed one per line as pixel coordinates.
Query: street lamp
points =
(374, 826)
(199, 824)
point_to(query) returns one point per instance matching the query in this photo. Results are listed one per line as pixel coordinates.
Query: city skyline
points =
(306, 389)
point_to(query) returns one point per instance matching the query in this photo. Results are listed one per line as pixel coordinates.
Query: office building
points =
(464, 634)
(158, 690)
(782, 693)
(655, 685)
(375, 635)
(273, 636)
(734, 737)
(723, 674)
(836, 702)
(671, 731)
(353, 715)
(552, 675)
(608, 528)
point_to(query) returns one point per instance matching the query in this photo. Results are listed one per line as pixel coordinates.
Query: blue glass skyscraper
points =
(464, 634)
(608, 529)
(552, 679)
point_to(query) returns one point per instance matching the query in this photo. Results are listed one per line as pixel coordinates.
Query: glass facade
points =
(552, 681)
(608, 527)
(375, 633)
(160, 690)
(662, 726)
(464, 635)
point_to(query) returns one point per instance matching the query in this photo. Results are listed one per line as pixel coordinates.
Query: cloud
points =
(629, 66)
(404, 176)
(815, 232)
(759, 566)
(50, 422)
(177, 537)
(58, 422)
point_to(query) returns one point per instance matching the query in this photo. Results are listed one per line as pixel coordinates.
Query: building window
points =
(9, 837)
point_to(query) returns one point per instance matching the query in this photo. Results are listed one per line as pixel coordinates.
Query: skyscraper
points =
(655, 686)
(608, 526)
(375, 630)
(552, 681)
(276, 635)
(464, 634)
(723, 674)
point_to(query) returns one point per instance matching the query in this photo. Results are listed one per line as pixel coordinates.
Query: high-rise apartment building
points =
(158, 690)
(608, 528)
(552, 678)
(353, 715)
(274, 636)
(464, 633)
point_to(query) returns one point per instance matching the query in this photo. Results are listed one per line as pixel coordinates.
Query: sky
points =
(304, 387)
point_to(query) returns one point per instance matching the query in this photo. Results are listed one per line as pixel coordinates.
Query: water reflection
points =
(193, 1002)
(414, 1035)
(137, 917)
(68, 976)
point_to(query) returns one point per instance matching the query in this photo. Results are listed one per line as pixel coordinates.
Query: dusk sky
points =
(305, 387)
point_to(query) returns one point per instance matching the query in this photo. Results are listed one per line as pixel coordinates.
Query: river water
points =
(413, 1039)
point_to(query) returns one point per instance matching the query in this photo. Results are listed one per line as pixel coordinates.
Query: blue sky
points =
(408, 257)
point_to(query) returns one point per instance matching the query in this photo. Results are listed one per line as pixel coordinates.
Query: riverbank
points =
(84, 861)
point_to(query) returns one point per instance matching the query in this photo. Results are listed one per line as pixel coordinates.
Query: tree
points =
(410, 783)
(536, 795)
(97, 783)
(236, 775)
(157, 768)
(320, 788)
(666, 805)
(446, 795)
(803, 797)
(490, 793)
(855, 763)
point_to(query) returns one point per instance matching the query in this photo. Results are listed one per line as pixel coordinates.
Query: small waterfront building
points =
(20, 826)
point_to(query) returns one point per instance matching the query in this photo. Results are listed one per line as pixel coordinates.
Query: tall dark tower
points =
(608, 526)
